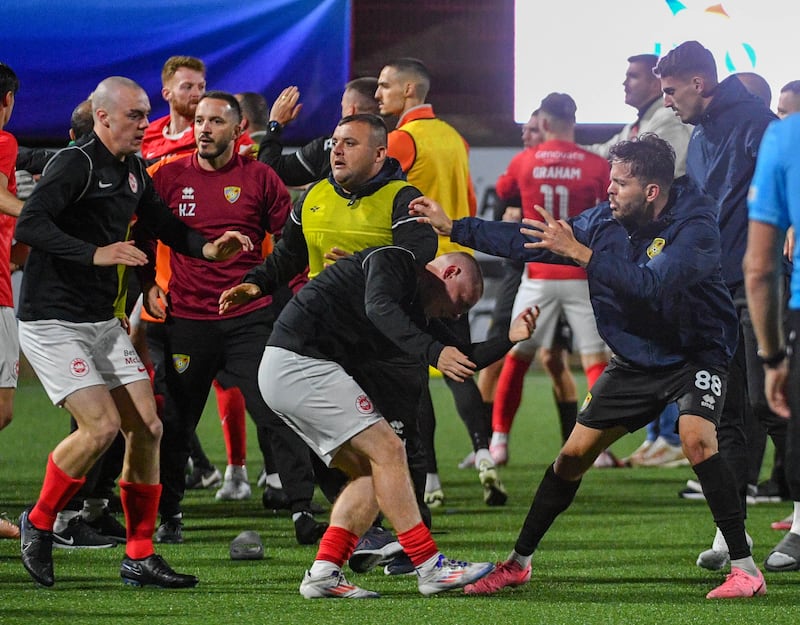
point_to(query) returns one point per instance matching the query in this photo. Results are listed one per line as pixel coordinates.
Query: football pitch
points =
(623, 553)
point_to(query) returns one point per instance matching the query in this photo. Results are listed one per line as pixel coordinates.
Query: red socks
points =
(418, 544)
(57, 489)
(509, 393)
(140, 504)
(231, 406)
(593, 372)
(337, 545)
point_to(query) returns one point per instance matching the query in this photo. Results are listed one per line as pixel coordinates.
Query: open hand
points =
(238, 295)
(228, 245)
(430, 212)
(455, 365)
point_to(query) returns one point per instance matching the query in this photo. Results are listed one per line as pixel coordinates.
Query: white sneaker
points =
(235, 486)
(434, 498)
(332, 585)
(494, 493)
(718, 557)
(447, 574)
(468, 462)
(662, 454)
(635, 459)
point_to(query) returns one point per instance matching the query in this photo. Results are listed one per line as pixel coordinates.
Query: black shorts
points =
(632, 397)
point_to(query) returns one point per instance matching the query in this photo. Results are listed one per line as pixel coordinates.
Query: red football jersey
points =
(564, 179)
(245, 195)
(8, 160)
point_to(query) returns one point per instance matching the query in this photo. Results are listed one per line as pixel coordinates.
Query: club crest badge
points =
(79, 367)
(586, 401)
(180, 362)
(654, 249)
(133, 183)
(364, 404)
(232, 193)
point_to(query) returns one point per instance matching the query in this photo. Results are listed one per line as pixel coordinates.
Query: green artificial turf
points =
(623, 553)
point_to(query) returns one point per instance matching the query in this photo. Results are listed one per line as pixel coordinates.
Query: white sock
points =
(747, 564)
(719, 543)
(481, 455)
(322, 568)
(795, 529)
(523, 561)
(499, 438)
(62, 520)
(429, 563)
(432, 482)
(274, 480)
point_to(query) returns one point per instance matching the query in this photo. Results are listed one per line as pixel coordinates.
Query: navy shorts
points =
(632, 397)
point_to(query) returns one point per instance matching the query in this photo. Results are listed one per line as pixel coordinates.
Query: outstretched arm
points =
(555, 235)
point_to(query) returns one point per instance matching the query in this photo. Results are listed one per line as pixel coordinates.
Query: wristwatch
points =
(274, 126)
(771, 362)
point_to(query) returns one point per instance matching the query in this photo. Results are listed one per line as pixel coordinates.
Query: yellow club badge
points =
(232, 193)
(180, 362)
(586, 401)
(654, 249)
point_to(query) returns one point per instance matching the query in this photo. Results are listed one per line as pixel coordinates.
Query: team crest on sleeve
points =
(232, 193)
(586, 401)
(79, 367)
(132, 182)
(364, 404)
(180, 362)
(654, 249)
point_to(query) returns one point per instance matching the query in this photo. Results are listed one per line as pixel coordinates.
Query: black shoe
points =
(769, 491)
(376, 547)
(275, 499)
(308, 530)
(154, 571)
(170, 531)
(401, 565)
(37, 551)
(78, 535)
(203, 478)
(107, 525)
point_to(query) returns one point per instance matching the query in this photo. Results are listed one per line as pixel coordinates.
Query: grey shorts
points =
(70, 356)
(316, 398)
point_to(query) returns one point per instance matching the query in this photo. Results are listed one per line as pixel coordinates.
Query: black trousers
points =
(469, 405)
(229, 349)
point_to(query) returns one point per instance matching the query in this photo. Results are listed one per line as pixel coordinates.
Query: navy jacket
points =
(656, 291)
(721, 159)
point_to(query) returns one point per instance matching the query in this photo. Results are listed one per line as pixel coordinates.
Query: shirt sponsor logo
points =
(132, 358)
(180, 362)
(79, 367)
(133, 183)
(655, 248)
(232, 193)
(364, 404)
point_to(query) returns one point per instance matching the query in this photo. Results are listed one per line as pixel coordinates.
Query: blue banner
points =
(61, 49)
